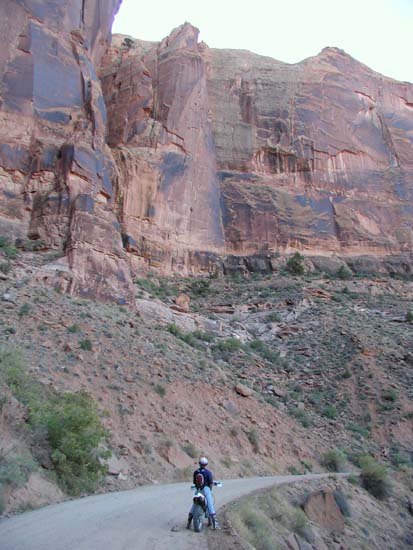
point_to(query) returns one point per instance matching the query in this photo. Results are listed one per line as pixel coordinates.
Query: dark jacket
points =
(208, 480)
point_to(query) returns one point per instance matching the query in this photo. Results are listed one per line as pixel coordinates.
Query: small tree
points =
(333, 460)
(295, 264)
(74, 432)
(374, 477)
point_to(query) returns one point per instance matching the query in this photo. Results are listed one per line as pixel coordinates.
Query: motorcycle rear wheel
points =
(198, 519)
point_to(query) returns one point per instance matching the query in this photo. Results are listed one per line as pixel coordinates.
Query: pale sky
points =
(379, 33)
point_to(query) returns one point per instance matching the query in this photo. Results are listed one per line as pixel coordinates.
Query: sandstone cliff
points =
(56, 169)
(315, 156)
(177, 154)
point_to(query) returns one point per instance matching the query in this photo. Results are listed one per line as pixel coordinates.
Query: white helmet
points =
(203, 461)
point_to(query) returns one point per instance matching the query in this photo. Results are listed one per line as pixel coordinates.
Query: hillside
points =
(264, 374)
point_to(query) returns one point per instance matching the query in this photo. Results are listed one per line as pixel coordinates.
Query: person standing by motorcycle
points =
(203, 481)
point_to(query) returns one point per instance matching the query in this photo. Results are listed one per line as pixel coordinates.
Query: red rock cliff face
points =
(316, 156)
(178, 154)
(161, 133)
(55, 167)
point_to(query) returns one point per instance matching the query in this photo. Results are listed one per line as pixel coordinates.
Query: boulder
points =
(321, 507)
(182, 302)
(244, 391)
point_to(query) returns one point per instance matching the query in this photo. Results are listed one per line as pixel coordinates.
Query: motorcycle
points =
(200, 509)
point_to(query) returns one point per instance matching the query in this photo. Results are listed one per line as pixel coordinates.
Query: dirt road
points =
(140, 519)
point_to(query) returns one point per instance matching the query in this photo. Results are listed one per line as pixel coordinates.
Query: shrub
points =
(256, 525)
(400, 458)
(3, 502)
(295, 264)
(390, 395)
(160, 390)
(5, 267)
(301, 416)
(409, 316)
(201, 287)
(73, 329)
(298, 521)
(24, 310)
(68, 423)
(190, 450)
(262, 349)
(86, 345)
(333, 460)
(203, 336)
(344, 273)
(9, 250)
(374, 477)
(174, 329)
(228, 345)
(254, 438)
(273, 317)
(74, 433)
(330, 412)
(193, 339)
(15, 469)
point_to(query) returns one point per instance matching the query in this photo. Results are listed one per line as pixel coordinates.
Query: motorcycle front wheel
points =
(198, 519)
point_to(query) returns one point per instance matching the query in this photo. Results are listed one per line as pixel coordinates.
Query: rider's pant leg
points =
(210, 501)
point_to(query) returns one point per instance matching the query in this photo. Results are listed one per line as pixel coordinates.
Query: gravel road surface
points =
(147, 518)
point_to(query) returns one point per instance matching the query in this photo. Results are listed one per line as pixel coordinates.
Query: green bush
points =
(273, 317)
(333, 460)
(74, 432)
(24, 310)
(301, 416)
(390, 395)
(229, 345)
(298, 521)
(374, 477)
(258, 346)
(257, 526)
(15, 469)
(5, 267)
(74, 329)
(295, 264)
(344, 273)
(201, 287)
(66, 424)
(9, 250)
(254, 438)
(193, 339)
(190, 450)
(160, 390)
(409, 316)
(3, 501)
(86, 345)
(174, 329)
(329, 411)
(203, 336)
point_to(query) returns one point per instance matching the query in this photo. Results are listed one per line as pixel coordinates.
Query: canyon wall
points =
(315, 156)
(56, 170)
(173, 155)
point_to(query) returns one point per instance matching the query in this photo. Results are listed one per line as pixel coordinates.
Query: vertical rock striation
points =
(173, 154)
(315, 156)
(55, 166)
(161, 134)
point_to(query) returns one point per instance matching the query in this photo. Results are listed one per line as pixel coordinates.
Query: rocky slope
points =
(263, 375)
